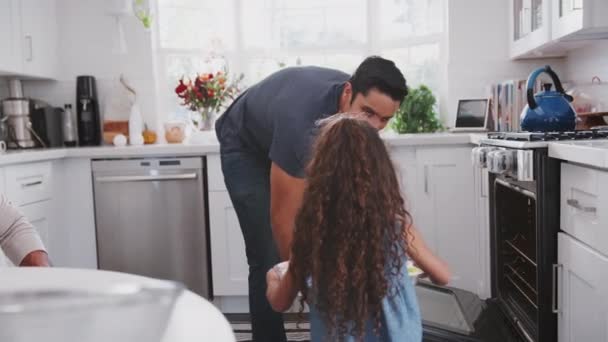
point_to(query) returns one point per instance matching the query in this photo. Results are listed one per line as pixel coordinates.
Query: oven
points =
(524, 221)
(524, 201)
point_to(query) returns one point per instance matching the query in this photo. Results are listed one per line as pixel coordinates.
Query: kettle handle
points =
(558, 85)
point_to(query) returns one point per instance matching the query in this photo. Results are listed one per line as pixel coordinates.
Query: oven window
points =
(516, 243)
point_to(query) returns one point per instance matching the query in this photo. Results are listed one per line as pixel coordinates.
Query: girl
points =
(351, 242)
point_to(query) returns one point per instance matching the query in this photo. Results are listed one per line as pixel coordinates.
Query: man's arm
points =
(18, 238)
(285, 200)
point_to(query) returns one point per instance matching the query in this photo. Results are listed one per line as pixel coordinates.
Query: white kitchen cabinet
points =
(445, 211)
(38, 215)
(404, 159)
(28, 32)
(229, 261)
(482, 214)
(582, 292)
(529, 27)
(28, 183)
(39, 38)
(579, 19)
(583, 203)
(72, 221)
(440, 192)
(10, 53)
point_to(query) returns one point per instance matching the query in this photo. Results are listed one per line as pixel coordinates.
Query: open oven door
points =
(450, 315)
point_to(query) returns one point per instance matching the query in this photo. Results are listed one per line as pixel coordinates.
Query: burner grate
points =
(550, 136)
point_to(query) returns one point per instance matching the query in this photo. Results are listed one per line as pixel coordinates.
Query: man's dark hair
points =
(382, 74)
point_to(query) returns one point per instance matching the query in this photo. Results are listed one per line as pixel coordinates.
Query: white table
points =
(193, 319)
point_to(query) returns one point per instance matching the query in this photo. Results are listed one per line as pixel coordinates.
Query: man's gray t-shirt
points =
(276, 117)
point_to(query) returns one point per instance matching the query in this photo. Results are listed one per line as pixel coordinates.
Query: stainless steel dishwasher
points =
(151, 219)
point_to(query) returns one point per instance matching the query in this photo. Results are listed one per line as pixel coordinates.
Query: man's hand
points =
(36, 258)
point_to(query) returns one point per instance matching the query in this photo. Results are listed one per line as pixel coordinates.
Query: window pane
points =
(419, 64)
(179, 66)
(259, 68)
(196, 24)
(401, 19)
(297, 23)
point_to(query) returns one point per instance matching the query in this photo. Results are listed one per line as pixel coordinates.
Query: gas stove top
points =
(550, 136)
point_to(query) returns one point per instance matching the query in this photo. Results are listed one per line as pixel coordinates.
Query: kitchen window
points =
(258, 37)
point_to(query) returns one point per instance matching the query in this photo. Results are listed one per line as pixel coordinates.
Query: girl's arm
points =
(424, 258)
(281, 288)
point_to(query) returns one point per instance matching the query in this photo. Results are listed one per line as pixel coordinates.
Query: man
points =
(265, 137)
(19, 240)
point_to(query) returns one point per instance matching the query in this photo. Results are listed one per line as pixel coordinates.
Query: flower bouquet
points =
(207, 95)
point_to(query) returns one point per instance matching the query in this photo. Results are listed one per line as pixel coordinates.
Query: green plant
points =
(142, 13)
(417, 113)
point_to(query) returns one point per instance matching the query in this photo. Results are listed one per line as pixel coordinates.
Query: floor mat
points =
(296, 332)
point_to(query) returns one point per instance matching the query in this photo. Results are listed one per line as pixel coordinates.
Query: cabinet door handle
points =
(577, 205)
(30, 184)
(30, 47)
(426, 179)
(554, 291)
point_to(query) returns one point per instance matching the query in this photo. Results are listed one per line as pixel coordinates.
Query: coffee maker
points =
(16, 123)
(87, 111)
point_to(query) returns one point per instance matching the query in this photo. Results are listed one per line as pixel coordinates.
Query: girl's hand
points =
(272, 277)
(280, 291)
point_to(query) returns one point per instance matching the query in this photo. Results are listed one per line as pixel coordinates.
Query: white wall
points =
(86, 41)
(584, 63)
(478, 51)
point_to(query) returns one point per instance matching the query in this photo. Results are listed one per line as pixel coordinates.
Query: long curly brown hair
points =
(348, 239)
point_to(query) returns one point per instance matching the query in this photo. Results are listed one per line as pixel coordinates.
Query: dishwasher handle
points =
(147, 178)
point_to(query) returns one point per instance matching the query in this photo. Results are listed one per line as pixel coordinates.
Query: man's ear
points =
(346, 98)
(348, 91)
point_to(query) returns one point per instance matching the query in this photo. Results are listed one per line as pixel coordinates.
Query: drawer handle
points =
(577, 205)
(30, 184)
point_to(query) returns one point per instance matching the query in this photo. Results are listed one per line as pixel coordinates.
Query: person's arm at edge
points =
(19, 239)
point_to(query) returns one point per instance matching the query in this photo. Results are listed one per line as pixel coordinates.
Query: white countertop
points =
(25, 156)
(427, 139)
(593, 153)
(209, 146)
(589, 152)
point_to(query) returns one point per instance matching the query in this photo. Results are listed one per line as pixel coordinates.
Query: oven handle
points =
(554, 291)
(516, 188)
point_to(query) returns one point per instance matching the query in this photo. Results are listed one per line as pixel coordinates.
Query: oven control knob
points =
(503, 161)
(479, 156)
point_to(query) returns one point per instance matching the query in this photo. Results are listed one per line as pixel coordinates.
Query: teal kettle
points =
(548, 110)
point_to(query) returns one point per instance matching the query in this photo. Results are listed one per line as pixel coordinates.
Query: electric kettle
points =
(548, 110)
